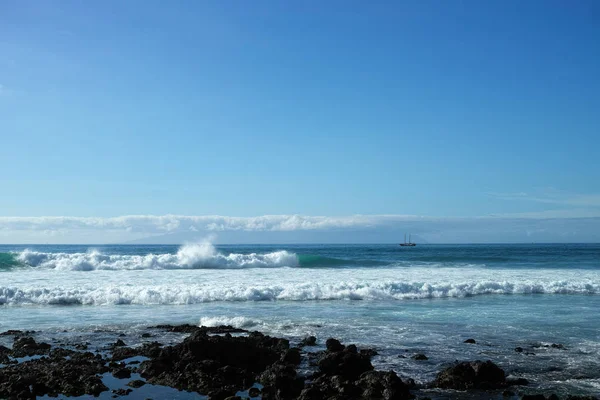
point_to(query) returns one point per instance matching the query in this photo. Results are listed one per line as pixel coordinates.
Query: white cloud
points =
(553, 196)
(173, 223)
(545, 226)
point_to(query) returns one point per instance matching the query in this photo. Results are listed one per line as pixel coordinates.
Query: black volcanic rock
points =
(280, 382)
(147, 350)
(188, 328)
(469, 375)
(308, 341)
(348, 364)
(214, 364)
(27, 346)
(333, 345)
(76, 376)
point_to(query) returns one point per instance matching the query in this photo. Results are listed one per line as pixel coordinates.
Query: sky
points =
(461, 121)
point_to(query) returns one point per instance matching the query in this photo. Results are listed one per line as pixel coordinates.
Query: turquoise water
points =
(426, 299)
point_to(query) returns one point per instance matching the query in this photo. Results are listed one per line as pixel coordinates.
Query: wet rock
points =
(146, 335)
(122, 373)
(136, 383)
(347, 364)
(517, 382)
(119, 343)
(280, 382)
(519, 349)
(149, 350)
(27, 346)
(13, 332)
(214, 365)
(254, 392)
(420, 356)
(368, 352)
(4, 353)
(187, 328)
(469, 375)
(387, 384)
(472, 341)
(122, 392)
(54, 375)
(533, 397)
(333, 345)
(81, 346)
(370, 385)
(308, 341)
(292, 356)
(508, 393)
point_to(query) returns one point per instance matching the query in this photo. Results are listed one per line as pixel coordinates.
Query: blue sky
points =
(436, 109)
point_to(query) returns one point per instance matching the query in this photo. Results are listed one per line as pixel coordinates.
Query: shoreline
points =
(224, 362)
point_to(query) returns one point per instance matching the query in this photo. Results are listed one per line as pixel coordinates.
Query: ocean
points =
(399, 300)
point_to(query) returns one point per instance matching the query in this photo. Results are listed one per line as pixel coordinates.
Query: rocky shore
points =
(231, 363)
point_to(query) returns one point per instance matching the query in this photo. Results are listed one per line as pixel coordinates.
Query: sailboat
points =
(409, 243)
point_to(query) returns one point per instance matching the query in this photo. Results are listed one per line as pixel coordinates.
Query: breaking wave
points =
(191, 256)
(202, 293)
(236, 322)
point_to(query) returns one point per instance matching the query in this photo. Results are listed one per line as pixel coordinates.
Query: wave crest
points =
(203, 293)
(191, 256)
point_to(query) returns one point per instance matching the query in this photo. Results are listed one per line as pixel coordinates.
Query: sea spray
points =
(190, 256)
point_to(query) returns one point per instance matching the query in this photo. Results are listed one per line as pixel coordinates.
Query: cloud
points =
(214, 223)
(545, 226)
(553, 196)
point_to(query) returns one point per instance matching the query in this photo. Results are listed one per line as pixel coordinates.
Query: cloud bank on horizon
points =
(542, 227)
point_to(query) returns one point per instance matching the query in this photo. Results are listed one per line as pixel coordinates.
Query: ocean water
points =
(401, 300)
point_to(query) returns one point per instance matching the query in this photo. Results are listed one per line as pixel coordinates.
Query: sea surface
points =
(400, 300)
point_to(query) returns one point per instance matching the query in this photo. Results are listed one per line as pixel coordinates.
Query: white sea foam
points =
(91, 294)
(237, 322)
(191, 256)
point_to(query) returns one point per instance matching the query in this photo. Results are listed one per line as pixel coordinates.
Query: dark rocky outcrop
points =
(370, 385)
(472, 341)
(4, 353)
(149, 350)
(334, 345)
(280, 382)
(27, 346)
(13, 332)
(347, 363)
(347, 373)
(292, 356)
(308, 341)
(471, 375)
(136, 383)
(420, 357)
(121, 373)
(214, 365)
(53, 375)
(187, 328)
